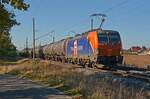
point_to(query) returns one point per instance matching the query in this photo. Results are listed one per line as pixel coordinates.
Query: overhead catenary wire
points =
(45, 35)
(105, 11)
(76, 25)
(131, 12)
(125, 9)
(116, 6)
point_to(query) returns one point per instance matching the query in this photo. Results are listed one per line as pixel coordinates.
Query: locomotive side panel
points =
(84, 48)
(79, 48)
(93, 41)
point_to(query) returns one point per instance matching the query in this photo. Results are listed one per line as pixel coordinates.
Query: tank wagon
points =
(56, 50)
(92, 47)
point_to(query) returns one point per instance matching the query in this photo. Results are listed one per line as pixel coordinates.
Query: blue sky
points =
(129, 17)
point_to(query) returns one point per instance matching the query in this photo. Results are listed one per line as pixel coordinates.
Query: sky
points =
(130, 17)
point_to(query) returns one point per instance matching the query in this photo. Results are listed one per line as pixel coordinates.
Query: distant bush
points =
(24, 54)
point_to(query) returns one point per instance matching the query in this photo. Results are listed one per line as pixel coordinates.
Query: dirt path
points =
(12, 87)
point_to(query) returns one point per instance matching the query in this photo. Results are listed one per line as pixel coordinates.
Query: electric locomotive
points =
(95, 46)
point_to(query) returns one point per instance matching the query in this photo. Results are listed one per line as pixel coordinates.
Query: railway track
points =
(140, 76)
(117, 70)
(132, 74)
(128, 71)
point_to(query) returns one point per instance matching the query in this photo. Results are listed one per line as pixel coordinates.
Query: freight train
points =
(96, 46)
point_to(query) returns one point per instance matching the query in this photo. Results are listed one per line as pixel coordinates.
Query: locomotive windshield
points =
(103, 38)
(114, 38)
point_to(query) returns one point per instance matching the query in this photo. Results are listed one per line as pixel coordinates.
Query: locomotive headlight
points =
(121, 52)
(96, 51)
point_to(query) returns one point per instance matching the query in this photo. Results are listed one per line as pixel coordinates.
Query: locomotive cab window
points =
(114, 38)
(102, 38)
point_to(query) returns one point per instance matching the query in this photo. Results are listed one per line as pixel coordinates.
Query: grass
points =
(6, 62)
(72, 82)
(11, 61)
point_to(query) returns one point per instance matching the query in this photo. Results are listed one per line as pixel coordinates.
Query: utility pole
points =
(53, 36)
(33, 39)
(53, 39)
(26, 45)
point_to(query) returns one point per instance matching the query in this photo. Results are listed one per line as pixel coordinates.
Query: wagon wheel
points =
(93, 65)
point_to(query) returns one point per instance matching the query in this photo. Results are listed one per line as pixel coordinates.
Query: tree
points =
(6, 46)
(7, 21)
(17, 4)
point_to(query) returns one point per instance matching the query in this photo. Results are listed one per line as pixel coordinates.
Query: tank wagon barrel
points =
(56, 50)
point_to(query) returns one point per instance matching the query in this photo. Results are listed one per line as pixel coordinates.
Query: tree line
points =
(7, 21)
